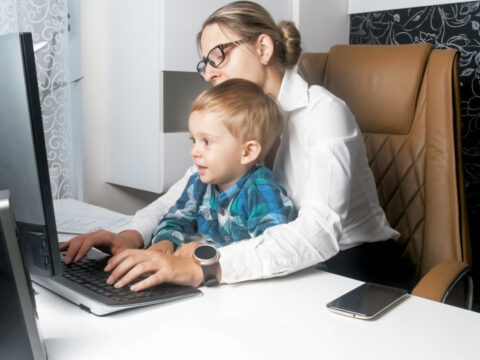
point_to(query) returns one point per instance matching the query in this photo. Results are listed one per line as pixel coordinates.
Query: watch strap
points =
(210, 274)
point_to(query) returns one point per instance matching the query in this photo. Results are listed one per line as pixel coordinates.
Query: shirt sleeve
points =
(146, 219)
(314, 235)
(181, 218)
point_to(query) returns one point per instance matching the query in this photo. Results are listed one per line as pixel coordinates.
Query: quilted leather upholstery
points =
(405, 99)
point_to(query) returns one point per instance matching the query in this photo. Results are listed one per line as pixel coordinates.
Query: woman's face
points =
(241, 61)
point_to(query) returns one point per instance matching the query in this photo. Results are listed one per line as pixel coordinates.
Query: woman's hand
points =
(103, 240)
(187, 250)
(129, 264)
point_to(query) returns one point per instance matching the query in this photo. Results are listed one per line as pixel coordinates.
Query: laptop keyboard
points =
(90, 274)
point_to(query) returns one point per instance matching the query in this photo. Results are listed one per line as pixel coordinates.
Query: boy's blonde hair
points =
(246, 111)
(249, 20)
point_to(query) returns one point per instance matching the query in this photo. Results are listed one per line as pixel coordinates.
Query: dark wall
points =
(454, 26)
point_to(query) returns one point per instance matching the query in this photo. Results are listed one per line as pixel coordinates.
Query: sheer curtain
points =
(47, 20)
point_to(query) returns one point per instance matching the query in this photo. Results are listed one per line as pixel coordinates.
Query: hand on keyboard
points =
(129, 264)
(105, 241)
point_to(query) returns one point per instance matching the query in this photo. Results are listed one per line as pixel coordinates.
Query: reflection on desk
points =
(283, 318)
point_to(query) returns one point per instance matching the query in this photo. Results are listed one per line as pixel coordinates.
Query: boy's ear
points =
(251, 152)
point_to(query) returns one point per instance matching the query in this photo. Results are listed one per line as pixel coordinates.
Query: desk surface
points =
(283, 318)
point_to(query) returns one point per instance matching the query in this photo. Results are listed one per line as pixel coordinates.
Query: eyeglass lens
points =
(215, 57)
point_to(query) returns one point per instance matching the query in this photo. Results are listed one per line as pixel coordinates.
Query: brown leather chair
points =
(406, 101)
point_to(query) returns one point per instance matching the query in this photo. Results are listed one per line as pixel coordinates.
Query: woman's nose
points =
(210, 73)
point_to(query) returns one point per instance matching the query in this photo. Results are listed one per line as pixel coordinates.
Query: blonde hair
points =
(249, 20)
(246, 111)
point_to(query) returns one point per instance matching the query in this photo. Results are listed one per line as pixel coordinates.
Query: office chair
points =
(406, 101)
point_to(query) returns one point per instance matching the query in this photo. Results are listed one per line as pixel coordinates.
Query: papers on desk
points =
(77, 224)
(76, 217)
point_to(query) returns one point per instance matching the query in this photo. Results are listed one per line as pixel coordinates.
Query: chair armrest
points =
(437, 283)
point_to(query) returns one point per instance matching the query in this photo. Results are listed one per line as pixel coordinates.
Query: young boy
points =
(231, 198)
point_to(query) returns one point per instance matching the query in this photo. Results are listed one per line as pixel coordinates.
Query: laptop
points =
(24, 172)
(19, 334)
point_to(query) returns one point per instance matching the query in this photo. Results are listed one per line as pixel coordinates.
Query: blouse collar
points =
(293, 92)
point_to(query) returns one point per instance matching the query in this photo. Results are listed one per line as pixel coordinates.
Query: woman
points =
(320, 161)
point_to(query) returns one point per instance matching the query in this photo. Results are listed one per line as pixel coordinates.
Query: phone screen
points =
(367, 300)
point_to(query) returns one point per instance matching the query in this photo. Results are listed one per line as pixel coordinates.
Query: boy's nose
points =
(194, 152)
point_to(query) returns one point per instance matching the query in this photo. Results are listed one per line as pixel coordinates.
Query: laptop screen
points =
(23, 159)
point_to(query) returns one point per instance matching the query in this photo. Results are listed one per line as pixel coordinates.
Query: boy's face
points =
(215, 152)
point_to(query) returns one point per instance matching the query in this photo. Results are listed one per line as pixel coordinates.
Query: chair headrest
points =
(370, 77)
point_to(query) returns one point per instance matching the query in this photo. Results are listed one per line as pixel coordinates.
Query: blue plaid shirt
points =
(244, 210)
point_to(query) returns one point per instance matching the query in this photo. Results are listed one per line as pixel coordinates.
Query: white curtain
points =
(47, 20)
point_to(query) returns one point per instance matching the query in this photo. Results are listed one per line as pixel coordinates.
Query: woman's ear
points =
(265, 48)
(251, 152)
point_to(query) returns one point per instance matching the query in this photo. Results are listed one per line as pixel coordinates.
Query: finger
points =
(98, 237)
(138, 269)
(118, 258)
(63, 245)
(120, 269)
(74, 245)
(85, 247)
(150, 281)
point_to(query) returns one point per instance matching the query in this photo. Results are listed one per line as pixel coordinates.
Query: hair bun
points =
(291, 41)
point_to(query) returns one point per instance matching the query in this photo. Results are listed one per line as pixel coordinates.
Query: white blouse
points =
(322, 164)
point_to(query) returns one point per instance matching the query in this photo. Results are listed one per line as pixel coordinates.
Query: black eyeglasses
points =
(216, 56)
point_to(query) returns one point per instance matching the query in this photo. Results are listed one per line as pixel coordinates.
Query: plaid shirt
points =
(244, 210)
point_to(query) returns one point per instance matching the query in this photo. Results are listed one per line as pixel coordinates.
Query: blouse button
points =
(227, 238)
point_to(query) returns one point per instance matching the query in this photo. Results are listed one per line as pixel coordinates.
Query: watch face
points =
(205, 252)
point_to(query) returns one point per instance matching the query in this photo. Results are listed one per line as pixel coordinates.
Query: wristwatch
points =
(207, 256)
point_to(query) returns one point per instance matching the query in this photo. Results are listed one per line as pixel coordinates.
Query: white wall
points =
(95, 111)
(361, 6)
(323, 24)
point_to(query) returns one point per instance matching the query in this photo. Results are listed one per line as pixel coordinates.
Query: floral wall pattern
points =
(47, 20)
(454, 26)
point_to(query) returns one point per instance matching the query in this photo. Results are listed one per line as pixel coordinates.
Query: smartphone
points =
(366, 301)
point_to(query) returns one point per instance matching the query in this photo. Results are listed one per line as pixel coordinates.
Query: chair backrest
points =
(406, 101)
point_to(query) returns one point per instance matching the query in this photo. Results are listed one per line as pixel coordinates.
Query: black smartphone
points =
(367, 300)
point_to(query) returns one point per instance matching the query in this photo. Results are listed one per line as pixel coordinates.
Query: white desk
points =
(282, 318)
(271, 319)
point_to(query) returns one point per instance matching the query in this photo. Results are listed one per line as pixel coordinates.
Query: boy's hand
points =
(163, 246)
(187, 250)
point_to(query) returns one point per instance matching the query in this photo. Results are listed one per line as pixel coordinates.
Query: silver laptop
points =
(24, 172)
(19, 334)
